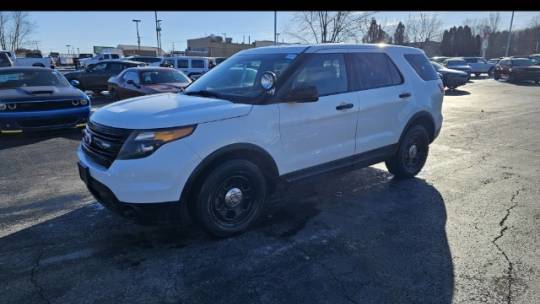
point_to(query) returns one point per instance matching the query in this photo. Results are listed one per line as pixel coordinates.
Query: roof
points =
(120, 60)
(25, 68)
(309, 48)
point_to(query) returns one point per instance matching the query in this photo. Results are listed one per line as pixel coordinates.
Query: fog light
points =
(84, 102)
(75, 102)
(12, 106)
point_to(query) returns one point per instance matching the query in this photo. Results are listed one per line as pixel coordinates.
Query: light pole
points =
(275, 27)
(509, 35)
(158, 33)
(68, 46)
(137, 21)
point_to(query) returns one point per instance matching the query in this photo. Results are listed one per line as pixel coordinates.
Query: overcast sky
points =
(83, 30)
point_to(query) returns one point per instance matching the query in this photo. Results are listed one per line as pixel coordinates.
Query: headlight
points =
(83, 102)
(143, 143)
(3, 107)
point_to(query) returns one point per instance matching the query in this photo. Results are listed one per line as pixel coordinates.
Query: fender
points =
(244, 150)
(421, 116)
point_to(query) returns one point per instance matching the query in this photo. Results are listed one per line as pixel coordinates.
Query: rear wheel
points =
(412, 153)
(490, 72)
(496, 76)
(231, 198)
(477, 74)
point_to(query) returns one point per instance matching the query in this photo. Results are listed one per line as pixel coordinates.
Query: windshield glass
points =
(237, 78)
(163, 76)
(437, 66)
(456, 62)
(12, 79)
(522, 62)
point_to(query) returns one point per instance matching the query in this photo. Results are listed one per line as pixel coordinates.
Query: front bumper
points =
(154, 213)
(157, 178)
(11, 122)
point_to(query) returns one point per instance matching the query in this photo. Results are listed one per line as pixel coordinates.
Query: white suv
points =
(264, 116)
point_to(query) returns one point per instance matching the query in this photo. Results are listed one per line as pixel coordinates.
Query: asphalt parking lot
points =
(467, 230)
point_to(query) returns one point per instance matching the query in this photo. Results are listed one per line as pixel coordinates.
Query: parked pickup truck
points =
(480, 66)
(35, 60)
(86, 62)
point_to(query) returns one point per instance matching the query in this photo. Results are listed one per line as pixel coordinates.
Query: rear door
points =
(383, 95)
(314, 133)
(92, 78)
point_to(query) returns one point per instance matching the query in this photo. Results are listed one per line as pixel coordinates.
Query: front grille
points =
(45, 105)
(50, 122)
(102, 143)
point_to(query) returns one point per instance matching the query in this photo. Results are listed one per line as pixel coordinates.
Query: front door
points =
(314, 133)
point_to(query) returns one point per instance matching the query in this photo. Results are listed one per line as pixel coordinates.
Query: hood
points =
(167, 110)
(165, 87)
(40, 93)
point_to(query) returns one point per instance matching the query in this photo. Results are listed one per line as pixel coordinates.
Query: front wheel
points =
(231, 198)
(496, 76)
(412, 153)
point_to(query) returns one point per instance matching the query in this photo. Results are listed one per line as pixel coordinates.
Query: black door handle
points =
(344, 106)
(405, 95)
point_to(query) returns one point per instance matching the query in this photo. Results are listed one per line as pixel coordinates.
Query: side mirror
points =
(268, 80)
(303, 94)
(75, 83)
(131, 82)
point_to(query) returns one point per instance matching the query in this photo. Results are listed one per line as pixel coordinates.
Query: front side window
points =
(326, 72)
(420, 64)
(133, 76)
(197, 63)
(375, 70)
(99, 67)
(237, 78)
(31, 78)
(168, 62)
(182, 63)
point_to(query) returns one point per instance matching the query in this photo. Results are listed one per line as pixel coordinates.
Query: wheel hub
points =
(413, 151)
(233, 197)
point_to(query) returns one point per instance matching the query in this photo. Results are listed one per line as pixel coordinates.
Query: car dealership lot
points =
(465, 231)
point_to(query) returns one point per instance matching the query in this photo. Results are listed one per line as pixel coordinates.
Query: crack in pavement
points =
(510, 269)
(33, 279)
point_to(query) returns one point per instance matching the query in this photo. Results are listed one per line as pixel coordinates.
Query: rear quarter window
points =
(421, 65)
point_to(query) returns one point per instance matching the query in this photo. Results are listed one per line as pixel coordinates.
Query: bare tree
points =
(423, 28)
(325, 26)
(4, 19)
(21, 28)
(535, 22)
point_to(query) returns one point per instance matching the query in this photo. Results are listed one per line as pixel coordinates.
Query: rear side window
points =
(197, 64)
(374, 70)
(421, 65)
(182, 63)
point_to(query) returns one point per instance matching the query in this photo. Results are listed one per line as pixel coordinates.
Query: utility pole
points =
(158, 33)
(275, 27)
(137, 21)
(68, 46)
(509, 35)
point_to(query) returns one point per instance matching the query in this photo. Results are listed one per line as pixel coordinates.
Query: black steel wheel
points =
(412, 153)
(231, 198)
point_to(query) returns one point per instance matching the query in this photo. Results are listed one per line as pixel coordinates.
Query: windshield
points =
(237, 78)
(522, 62)
(163, 76)
(437, 66)
(457, 62)
(31, 78)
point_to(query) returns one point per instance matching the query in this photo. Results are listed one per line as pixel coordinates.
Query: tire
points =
(452, 88)
(496, 76)
(216, 209)
(96, 92)
(490, 72)
(403, 165)
(477, 75)
(511, 78)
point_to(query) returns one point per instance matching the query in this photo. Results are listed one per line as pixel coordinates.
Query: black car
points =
(517, 69)
(33, 99)
(94, 78)
(451, 78)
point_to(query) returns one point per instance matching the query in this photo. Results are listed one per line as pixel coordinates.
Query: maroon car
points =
(134, 82)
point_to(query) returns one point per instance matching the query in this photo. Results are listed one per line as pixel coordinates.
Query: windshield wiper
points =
(204, 93)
